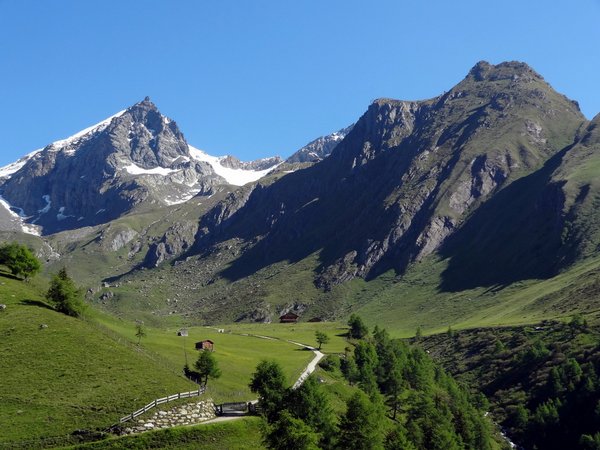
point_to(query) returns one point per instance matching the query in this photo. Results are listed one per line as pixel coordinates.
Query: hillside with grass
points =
(60, 374)
(470, 218)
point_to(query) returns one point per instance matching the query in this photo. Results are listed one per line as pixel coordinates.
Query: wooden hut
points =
(206, 344)
(289, 318)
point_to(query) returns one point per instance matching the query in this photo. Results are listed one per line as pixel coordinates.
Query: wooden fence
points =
(160, 401)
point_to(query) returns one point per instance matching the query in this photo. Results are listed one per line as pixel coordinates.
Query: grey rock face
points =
(137, 156)
(262, 314)
(260, 164)
(176, 240)
(119, 240)
(320, 148)
(403, 180)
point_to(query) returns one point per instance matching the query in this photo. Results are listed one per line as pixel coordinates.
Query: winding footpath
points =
(311, 365)
(310, 368)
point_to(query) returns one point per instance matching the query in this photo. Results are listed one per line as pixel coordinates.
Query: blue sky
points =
(257, 78)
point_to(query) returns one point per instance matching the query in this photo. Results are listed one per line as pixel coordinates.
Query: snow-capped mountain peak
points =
(100, 173)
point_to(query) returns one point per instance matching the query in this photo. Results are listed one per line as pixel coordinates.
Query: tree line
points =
(401, 400)
(563, 408)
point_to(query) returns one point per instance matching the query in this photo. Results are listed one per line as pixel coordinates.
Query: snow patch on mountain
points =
(7, 171)
(25, 227)
(170, 200)
(46, 208)
(134, 169)
(236, 177)
(66, 144)
(61, 214)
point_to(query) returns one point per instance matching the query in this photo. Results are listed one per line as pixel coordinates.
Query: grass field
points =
(236, 354)
(243, 434)
(68, 375)
(301, 332)
(401, 304)
(86, 374)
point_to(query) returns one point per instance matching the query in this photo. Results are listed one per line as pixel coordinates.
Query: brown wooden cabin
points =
(316, 319)
(289, 318)
(206, 344)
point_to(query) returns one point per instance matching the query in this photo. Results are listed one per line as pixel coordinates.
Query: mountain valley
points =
(471, 218)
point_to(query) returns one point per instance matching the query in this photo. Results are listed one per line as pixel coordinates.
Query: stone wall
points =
(187, 414)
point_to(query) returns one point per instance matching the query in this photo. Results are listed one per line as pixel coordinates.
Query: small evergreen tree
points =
(290, 433)
(64, 295)
(358, 329)
(394, 387)
(206, 367)
(361, 426)
(349, 369)
(311, 404)
(367, 361)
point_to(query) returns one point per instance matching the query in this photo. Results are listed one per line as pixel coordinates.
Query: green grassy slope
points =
(86, 374)
(243, 434)
(69, 375)
(414, 300)
(236, 354)
(399, 303)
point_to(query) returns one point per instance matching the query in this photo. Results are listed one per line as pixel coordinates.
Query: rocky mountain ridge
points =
(405, 178)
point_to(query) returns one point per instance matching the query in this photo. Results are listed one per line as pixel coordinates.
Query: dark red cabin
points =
(289, 318)
(206, 344)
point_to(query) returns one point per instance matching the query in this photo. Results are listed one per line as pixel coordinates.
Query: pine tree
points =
(290, 433)
(361, 426)
(64, 295)
(270, 384)
(207, 367)
(367, 361)
(311, 404)
(358, 329)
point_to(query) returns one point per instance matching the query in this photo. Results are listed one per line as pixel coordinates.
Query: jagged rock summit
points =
(138, 156)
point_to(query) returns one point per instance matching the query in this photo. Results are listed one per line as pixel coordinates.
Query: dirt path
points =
(311, 365)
